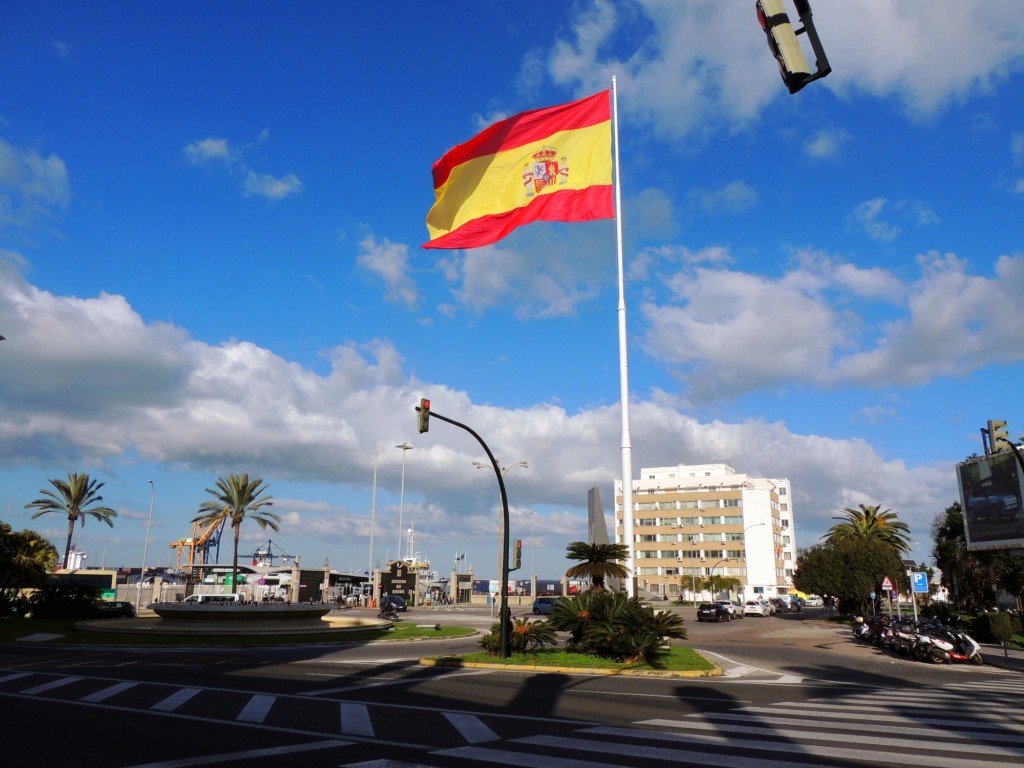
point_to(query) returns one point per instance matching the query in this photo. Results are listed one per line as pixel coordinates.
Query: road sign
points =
(920, 582)
(887, 585)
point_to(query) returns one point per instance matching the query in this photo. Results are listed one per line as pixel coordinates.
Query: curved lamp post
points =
(145, 547)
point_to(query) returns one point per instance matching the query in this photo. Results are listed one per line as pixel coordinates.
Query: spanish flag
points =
(551, 164)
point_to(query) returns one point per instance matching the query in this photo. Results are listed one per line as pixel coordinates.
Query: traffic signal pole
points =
(503, 610)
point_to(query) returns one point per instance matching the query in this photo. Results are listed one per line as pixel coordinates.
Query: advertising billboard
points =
(992, 497)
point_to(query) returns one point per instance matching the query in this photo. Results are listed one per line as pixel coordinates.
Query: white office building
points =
(694, 521)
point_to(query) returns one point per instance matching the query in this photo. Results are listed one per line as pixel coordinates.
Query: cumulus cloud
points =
(731, 333)
(389, 262)
(152, 390)
(735, 197)
(265, 185)
(878, 218)
(218, 151)
(33, 186)
(697, 67)
(826, 143)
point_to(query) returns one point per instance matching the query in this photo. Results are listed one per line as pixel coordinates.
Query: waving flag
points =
(551, 164)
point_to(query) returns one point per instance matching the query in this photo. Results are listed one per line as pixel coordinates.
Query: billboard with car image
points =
(992, 498)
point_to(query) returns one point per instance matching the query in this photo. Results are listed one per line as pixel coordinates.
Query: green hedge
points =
(996, 627)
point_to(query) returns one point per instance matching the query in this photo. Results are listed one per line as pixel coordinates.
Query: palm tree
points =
(25, 559)
(72, 498)
(237, 497)
(598, 562)
(868, 523)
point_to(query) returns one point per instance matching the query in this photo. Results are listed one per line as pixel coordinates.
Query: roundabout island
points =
(263, 619)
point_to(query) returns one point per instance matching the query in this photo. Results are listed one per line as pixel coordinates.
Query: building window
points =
(735, 554)
(709, 504)
(731, 502)
(714, 537)
(647, 521)
(646, 506)
(711, 521)
(733, 520)
(647, 537)
(734, 537)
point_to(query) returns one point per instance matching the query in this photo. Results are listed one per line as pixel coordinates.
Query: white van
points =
(213, 599)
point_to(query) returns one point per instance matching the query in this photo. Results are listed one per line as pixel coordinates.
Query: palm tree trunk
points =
(67, 547)
(234, 562)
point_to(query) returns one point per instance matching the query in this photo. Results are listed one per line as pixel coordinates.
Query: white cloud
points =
(734, 197)
(834, 324)
(254, 184)
(32, 186)
(270, 187)
(826, 143)
(390, 263)
(206, 150)
(151, 390)
(877, 217)
(699, 66)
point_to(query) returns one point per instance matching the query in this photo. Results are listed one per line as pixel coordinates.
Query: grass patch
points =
(678, 659)
(15, 629)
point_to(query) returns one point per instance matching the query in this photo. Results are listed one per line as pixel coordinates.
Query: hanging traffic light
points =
(998, 439)
(424, 415)
(793, 66)
(517, 555)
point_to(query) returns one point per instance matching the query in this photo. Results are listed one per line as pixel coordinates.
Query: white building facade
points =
(695, 521)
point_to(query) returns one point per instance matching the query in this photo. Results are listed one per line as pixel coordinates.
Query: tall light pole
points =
(501, 528)
(145, 547)
(405, 448)
(711, 576)
(373, 514)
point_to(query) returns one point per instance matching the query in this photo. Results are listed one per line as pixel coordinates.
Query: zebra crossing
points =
(976, 724)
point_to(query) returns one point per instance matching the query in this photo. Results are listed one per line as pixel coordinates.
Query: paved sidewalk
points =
(995, 656)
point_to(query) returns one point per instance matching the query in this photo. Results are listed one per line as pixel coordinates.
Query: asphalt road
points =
(796, 692)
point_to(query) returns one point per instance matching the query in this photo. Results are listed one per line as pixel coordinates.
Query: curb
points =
(458, 663)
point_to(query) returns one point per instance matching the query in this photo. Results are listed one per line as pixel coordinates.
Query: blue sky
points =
(210, 220)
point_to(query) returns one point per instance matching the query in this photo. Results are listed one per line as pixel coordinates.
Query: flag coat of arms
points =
(550, 164)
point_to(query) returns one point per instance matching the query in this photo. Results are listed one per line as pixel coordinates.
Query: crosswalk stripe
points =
(471, 728)
(256, 709)
(871, 739)
(526, 759)
(58, 683)
(848, 720)
(801, 747)
(14, 676)
(175, 700)
(106, 693)
(355, 720)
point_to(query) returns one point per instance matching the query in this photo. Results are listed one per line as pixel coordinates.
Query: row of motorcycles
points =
(935, 643)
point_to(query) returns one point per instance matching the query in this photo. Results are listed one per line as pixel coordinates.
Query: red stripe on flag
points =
(595, 202)
(524, 128)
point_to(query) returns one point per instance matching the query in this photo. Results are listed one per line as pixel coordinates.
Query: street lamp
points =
(711, 575)
(145, 547)
(501, 528)
(405, 447)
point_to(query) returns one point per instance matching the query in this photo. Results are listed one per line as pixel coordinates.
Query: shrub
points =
(64, 601)
(524, 635)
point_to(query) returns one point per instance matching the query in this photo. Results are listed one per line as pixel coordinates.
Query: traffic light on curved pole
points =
(423, 412)
(517, 555)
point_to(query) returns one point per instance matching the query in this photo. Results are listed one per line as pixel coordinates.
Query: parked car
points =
(115, 609)
(713, 612)
(754, 608)
(544, 605)
(735, 611)
(814, 602)
(395, 600)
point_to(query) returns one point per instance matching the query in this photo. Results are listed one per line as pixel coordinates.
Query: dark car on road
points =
(395, 600)
(115, 609)
(713, 612)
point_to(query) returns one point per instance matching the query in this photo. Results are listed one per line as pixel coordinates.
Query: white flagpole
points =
(627, 446)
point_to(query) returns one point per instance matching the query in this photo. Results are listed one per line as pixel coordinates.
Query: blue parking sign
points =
(920, 582)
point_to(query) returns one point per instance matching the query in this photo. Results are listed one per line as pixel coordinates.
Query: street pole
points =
(405, 447)
(502, 539)
(145, 547)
